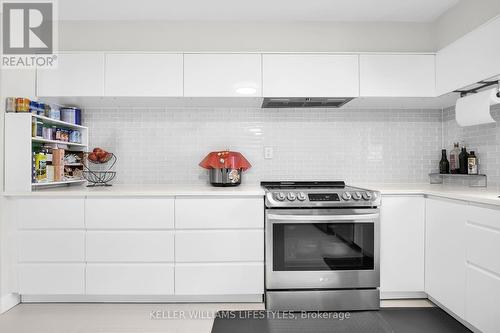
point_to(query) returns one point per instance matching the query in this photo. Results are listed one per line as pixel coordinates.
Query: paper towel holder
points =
(483, 84)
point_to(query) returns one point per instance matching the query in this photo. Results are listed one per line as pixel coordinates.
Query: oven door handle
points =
(359, 217)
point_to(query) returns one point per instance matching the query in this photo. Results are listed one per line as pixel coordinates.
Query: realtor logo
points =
(27, 28)
(29, 35)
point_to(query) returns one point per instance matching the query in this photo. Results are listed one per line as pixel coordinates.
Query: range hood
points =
(305, 102)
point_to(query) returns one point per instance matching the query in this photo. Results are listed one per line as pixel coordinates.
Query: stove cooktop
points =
(304, 194)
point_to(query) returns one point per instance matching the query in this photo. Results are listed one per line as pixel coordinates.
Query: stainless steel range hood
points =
(305, 102)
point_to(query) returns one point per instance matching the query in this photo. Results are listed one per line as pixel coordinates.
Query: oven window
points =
(323, 246)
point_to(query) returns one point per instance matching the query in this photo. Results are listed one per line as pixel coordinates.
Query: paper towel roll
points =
(474, 109)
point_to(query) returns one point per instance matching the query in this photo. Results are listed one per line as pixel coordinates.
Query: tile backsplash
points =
(165, 145)
(484, 140)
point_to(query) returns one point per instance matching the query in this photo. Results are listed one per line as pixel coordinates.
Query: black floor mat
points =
(387, 320)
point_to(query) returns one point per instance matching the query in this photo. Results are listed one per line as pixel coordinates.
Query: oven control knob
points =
(291, 196)
(301, 196)
(346, 196)
(356, 196)
(367, 195)
(280, 196)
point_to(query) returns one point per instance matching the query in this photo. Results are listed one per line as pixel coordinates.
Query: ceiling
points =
(255, 10)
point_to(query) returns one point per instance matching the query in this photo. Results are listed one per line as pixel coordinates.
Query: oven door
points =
(322, 248)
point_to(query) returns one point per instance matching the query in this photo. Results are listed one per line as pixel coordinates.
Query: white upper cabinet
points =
(397, 75)
(310, 75)
(75, 75)
(470, 59)
(144, 75)
(222, 75)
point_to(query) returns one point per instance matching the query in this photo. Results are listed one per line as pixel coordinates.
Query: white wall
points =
(278, 37)
(165, 145)
(463, 18)
(241, 36)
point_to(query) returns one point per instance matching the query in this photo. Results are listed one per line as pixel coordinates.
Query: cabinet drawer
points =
(51, 279)
(483, 216)
(125, 213)
(219, 279)
(214, 213)
(483, 247)
(219, 245)
(143, 246)
(55, 246)
(50, 213)
(482, 300)
(130, 279)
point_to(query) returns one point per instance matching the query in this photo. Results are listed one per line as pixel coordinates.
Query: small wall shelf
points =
(48, 120)
(473, 180)
(19, 146)
(42, 140)
(72, 181)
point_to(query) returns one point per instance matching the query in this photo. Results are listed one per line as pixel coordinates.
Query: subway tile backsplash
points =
(483, 139)
(165, 145)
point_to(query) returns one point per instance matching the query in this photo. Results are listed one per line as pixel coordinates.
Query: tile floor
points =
(128, 318)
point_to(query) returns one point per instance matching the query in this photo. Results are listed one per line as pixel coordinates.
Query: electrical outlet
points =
(268, 153)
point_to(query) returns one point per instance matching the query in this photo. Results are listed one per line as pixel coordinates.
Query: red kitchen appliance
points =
(225, 167)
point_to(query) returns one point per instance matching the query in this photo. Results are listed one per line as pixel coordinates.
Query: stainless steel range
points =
(322, 247)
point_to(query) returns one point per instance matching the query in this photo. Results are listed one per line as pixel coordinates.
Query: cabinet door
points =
(445, 253)
(222, 75)
(75, 75)
(219, 213)
(470, 59)
(52, 279)
(402, 242)
(219, 245)
(144, 75)
(130, 279)
(397, 75)
(131, 246)
(129, 213)
(219, 279)
(310, 75)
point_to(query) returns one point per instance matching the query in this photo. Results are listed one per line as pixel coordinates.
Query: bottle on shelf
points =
(463, 160)
(454, 159)
(444, 165)
(472, 164)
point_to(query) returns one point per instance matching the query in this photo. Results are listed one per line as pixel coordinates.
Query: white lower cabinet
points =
(52, 279)
(219, 245)
(482, 291)
(402, 225)
(130, 246)
(130, 279)
(219, 279)
(445, 253)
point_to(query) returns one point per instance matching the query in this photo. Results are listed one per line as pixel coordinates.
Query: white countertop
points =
(147, 190)
(480, 195)
(487, 196)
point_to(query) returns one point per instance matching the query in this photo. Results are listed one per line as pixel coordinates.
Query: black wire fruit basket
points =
(99, 172)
